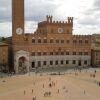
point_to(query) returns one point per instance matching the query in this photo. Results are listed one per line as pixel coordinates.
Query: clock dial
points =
(19, 30)
(60, 30)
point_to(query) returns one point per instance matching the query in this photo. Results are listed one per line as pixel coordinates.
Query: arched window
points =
(33, 40)
(39, 40)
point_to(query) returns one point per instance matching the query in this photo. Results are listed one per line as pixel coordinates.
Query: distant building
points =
(3, 56)
(95, 47)
(52, 45)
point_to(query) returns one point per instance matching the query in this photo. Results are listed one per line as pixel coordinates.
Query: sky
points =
(86, 15)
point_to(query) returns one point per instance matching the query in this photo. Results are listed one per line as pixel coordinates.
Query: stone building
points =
(52, 45)
(95, 50)
(3, 56)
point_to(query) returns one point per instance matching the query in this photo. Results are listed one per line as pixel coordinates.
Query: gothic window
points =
(86, 41)
(51, 53)
(85, 62)
(56, 53)
(33, 40)
(62, 62)
(74, 53)
(33, 53)
(39, 40)
(62, 53)
(44, 53)
(45, 40)
(67, 53)
(51, 62)
(67, 41)
(39, 63)
(39, 53)
(57, 41)
(85, 53)
(62, 41)
(56, 62)
(74, 62)
(67, 62)
(74, 41)
(44, 63)
(80, 53)
(51, 40)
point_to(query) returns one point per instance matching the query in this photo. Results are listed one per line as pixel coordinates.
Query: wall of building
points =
(52, 44)
(95, 46)
(3, 56)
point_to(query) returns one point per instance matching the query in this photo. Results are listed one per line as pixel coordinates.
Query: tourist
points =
(95, 71)
(43, 85)
(58, 90)
(32, 90)
(66, 91)
(50, 85)
(84, 91)
(24, 92)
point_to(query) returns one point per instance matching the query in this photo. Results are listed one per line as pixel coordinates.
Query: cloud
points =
(39, 9)
(5, 29)
(97, 4)
(5, 10)
(86, 14)
(89, 20)
(30, 26)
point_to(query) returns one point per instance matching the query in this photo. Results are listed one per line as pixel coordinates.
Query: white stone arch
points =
(17, 56)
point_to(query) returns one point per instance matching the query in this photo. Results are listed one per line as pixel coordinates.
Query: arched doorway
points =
(22, 65)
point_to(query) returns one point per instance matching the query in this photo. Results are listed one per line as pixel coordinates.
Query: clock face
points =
(19, 30)
(60, 30)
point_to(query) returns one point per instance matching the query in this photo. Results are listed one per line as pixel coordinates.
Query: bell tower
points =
(17, 19)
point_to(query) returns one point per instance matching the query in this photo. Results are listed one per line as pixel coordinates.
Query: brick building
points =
(3, 56)
(52, 45)
(95, 50)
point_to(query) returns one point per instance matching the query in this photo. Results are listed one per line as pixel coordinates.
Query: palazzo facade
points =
(51, 45)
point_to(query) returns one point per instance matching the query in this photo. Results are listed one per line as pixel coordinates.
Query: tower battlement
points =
(49, 19)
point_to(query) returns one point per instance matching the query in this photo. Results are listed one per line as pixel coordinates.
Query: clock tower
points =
(17, 20)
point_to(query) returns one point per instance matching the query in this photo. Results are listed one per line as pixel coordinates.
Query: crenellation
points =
(70, 20)
(50, 20)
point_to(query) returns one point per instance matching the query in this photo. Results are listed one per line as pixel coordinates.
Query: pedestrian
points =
(33, 98)
(58, 90)
(84, 91)
(34, 83)
(49, 78)
(50, 85)
(95, 71)
(24, 92)
(43, 85)
(66, 91)
(32, 90)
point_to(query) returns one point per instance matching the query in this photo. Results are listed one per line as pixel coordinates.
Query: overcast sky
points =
(86, 14)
